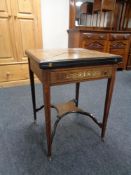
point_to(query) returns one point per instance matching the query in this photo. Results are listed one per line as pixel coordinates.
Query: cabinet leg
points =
(109, 92)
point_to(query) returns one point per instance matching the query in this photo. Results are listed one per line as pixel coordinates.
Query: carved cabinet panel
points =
(7, 52)
(119, 44)
(94, 41)
(26, 26)
(20, 29)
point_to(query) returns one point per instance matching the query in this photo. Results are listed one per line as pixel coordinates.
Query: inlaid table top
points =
(56, 58)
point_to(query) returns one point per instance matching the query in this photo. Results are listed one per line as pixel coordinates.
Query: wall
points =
(55, 22)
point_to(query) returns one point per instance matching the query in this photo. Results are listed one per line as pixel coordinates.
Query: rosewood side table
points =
(62, 66)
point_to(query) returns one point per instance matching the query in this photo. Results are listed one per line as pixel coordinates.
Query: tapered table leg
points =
(46, 96)
(32, 84)
(109, 92)
(77, 93)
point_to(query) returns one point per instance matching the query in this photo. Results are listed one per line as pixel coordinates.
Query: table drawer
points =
(80, 74)
(13, 72)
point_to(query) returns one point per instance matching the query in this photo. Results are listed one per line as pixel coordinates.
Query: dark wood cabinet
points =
(102, 25)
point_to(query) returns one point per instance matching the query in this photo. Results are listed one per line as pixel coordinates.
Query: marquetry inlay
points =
(80, 75)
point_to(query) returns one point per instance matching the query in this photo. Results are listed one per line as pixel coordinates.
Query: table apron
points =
(80, 74)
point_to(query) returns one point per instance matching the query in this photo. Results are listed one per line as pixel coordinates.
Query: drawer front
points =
(95, 36)
(114, 37)
(13, 72)
(80, 74)
(99, 45)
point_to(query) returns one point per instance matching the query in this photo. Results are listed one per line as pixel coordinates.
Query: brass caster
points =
(49, 158)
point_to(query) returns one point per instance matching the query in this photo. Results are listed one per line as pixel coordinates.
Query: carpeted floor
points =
(77, 147)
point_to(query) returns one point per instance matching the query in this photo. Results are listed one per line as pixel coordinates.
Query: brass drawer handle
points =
(88, 36)
(101, 36)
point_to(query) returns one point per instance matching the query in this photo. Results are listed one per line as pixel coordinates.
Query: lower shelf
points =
(66, 108)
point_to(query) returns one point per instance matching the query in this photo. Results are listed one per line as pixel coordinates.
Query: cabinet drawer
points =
(119, 37)
(13, 72)
(95, 36)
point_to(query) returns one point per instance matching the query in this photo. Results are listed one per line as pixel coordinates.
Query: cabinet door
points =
(7, 47)
(27, 26)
